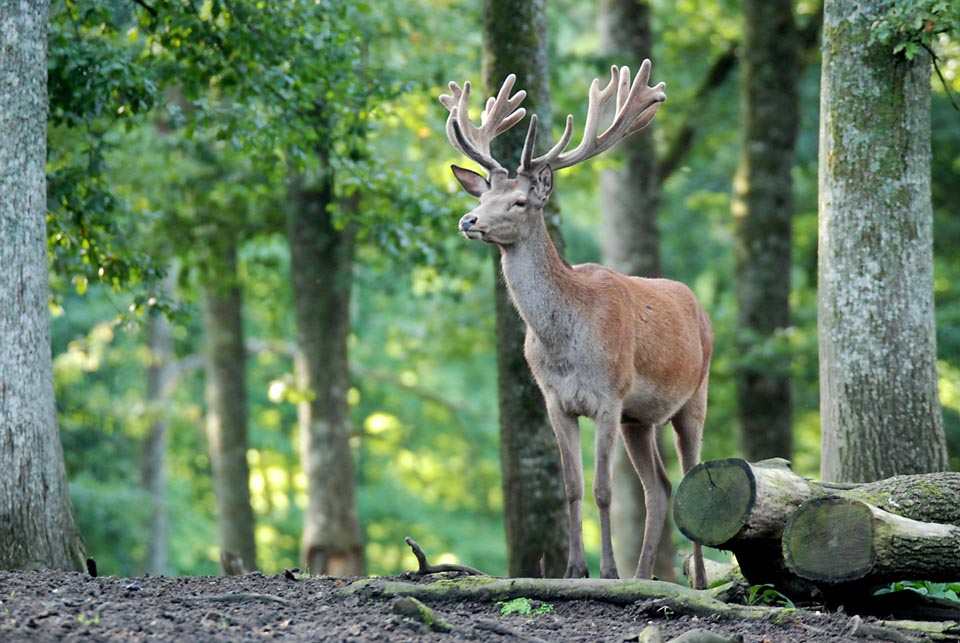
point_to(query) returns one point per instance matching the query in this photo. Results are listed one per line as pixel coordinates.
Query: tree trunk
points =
(880, 412)
(515, 41)
(226, 397)
(154, 449)
(844, 540)
(631, 245)
(321, 258)
(37, 524)
(762, 210)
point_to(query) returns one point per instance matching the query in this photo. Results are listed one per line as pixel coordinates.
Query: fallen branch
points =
(427, 568)
(658, 594)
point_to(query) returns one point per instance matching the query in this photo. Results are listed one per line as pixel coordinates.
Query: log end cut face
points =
(714, 501)
(830, 538)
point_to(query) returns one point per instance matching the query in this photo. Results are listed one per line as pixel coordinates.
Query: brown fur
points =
(630, 353)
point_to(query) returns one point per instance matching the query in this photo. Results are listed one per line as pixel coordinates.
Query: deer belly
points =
(649, 404)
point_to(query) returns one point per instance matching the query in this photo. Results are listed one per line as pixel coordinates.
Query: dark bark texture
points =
(763, 209)
(515, 41)
(37, 525)
(321, 256)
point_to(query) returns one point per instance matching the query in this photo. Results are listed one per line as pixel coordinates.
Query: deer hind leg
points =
(688, 433)
(641, 444)
(567, 430)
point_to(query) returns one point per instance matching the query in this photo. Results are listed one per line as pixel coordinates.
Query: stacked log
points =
(808, 538)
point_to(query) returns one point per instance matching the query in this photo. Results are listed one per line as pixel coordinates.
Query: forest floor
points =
(64, 606)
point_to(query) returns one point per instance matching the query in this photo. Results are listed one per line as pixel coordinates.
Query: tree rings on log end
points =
(714, 500)
(830, 539)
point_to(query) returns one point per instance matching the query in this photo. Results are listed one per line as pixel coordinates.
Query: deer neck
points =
(540, 282)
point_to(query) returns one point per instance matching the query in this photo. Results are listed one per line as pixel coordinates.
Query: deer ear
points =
(473, 183)
(543, 183)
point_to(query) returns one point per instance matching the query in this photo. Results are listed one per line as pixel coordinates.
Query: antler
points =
(636, 106)
(500, 114)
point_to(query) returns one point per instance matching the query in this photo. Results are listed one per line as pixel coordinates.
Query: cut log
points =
(744, 508)
(837, 539)
(722, 502)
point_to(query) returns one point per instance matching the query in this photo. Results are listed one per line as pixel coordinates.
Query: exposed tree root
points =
(426, 568)
(656, 598)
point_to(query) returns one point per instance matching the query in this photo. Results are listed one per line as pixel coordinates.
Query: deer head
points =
(509, 206)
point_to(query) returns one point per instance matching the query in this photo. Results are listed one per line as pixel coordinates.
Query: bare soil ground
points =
(60, 606)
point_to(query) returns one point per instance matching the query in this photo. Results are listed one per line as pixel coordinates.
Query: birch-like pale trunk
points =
(880, 412)
(37, 524)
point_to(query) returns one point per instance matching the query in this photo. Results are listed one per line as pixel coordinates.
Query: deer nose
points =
(467, 222)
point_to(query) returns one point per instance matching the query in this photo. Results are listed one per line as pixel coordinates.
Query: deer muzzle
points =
(467, 229)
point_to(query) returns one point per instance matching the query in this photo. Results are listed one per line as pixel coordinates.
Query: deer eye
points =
(519, 203)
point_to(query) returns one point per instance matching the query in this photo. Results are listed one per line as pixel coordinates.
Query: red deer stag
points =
(627, 352)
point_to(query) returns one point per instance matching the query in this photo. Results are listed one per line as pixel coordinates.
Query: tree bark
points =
(321, 257)
(880, 412)
(37, 524)
(515, 41)
(160, 374)
(631, 245)
(762, 212)
(226, 397)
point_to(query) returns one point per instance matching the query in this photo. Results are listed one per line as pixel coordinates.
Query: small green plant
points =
(524, 607)
(948, 591)
(766, 595)
(92, 620)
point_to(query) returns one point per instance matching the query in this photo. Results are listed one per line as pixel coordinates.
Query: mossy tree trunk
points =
(515, 41)
(762, 212)
(631, 245)
(879, 408)
(226, 396)
(37, 523)
(321, 258)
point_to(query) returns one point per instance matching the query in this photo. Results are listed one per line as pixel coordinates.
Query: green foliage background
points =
(166, 116)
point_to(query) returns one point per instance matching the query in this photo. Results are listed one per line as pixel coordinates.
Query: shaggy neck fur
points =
(539, 281)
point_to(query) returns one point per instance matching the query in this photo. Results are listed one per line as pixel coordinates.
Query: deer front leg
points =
(567, 429)
(607, 424)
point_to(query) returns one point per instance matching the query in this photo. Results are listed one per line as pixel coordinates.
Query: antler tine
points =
(636, 104)
(500, 114)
